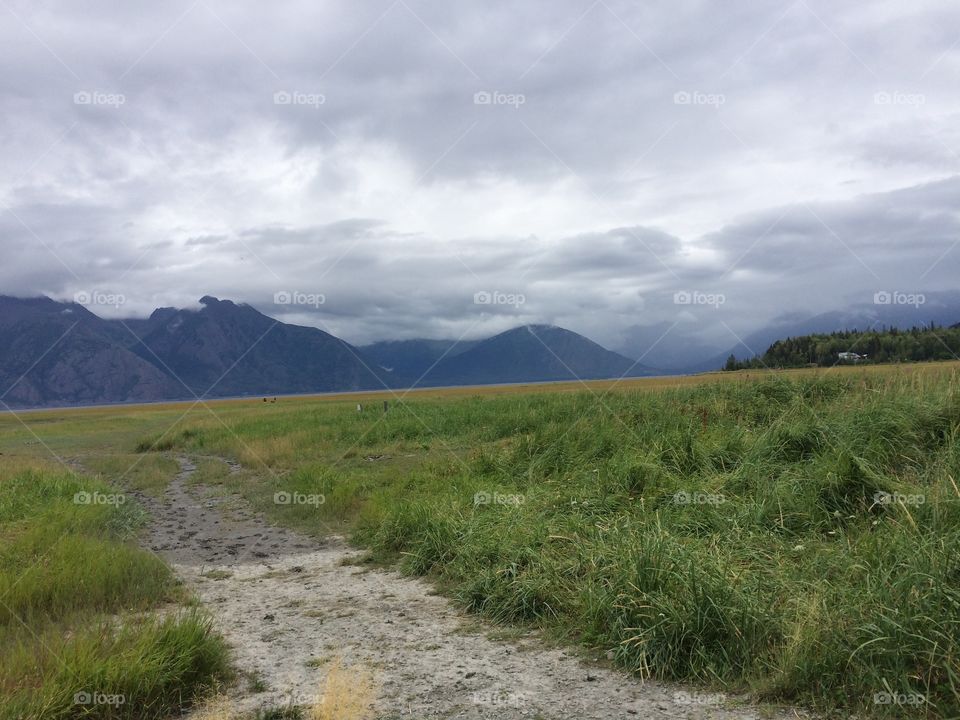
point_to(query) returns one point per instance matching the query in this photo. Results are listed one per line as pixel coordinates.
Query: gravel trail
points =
(288, 604)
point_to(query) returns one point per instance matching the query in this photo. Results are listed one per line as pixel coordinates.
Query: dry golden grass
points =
(349, 693)
(279, 451)
(218, 707)
(11, 465)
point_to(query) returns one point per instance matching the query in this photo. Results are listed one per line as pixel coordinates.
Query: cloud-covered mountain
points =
(678, 347)
(62, 354)
(54, 353)
(230, 349)
(667, 346)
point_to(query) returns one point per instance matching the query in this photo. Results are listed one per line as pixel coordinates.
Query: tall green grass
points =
(76, 635)
(798, 538)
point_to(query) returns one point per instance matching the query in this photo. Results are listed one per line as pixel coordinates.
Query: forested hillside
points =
(858, 346)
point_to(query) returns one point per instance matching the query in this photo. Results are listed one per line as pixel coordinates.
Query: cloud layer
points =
(587, 164)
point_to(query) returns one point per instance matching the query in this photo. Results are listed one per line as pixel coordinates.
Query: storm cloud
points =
(395, 165)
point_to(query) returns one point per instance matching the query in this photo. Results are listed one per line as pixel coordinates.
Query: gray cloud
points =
(793, 157)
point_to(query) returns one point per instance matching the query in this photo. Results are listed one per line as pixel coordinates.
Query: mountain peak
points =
(532, 353)
(163, 313)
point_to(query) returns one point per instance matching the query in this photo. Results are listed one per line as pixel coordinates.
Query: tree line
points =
(847, 347)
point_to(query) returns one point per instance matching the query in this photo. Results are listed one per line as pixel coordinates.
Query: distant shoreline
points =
(389, 394)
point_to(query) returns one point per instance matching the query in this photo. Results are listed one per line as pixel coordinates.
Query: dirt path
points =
(287, 604)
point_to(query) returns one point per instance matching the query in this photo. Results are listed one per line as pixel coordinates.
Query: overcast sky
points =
(378, 164)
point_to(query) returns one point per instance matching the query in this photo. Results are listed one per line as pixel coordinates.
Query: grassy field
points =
(77, 638)
(795, 535)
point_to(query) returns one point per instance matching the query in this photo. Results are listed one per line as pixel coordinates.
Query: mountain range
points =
(58, 353)
(55, 353)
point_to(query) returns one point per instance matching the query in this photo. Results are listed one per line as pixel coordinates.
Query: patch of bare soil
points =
(288, 604)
